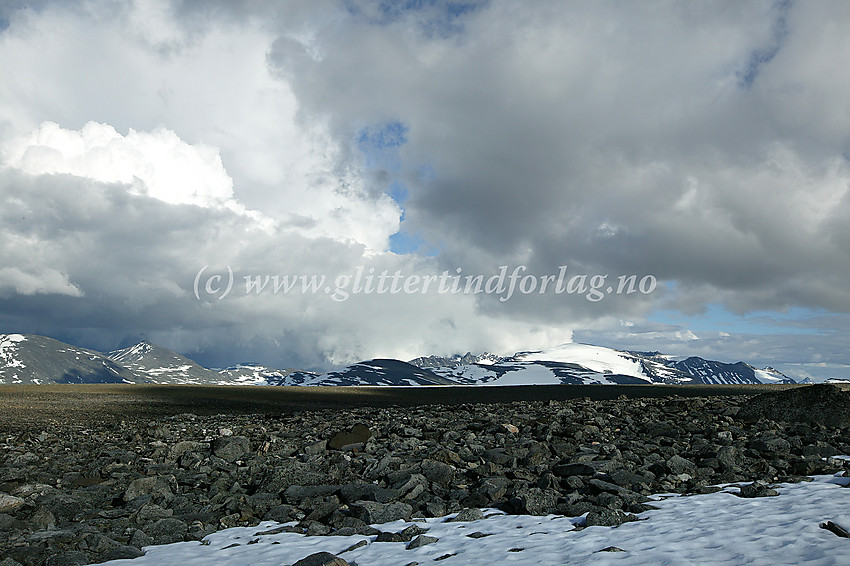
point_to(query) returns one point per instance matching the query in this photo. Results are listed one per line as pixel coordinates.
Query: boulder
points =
(231, 448)
(823, 404)
(322, 559)
(372, 512)
(358, 434)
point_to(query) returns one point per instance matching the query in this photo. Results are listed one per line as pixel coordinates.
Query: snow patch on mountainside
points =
(161, 365)
(596, 358)
(254, 374)
(770, 375)
(8, 349)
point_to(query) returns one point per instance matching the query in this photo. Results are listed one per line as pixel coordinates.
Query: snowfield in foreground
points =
(718, 528)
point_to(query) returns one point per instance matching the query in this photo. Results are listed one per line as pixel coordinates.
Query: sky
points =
(160, 160)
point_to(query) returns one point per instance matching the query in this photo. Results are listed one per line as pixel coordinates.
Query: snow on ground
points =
(594, 358)
(718, 528)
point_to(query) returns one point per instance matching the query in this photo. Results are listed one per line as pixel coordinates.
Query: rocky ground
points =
(84, 493)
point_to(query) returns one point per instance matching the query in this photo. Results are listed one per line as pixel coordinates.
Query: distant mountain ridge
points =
(568, 364)
(37, 359)
(161, 365)
(584, 364)
(712, 373)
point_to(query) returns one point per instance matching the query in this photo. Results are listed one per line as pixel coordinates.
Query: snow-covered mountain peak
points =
(596, 358)
(162, 365)
(38, 359)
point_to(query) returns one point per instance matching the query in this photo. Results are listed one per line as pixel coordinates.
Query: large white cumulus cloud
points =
(157, 164)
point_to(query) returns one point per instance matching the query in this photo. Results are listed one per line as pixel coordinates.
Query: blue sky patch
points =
(439, 18)
(380, 145)
(717, 318)
(764, 55)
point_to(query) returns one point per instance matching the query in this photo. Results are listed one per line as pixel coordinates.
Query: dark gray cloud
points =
(616, 138)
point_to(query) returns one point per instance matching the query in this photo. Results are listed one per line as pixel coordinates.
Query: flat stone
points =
(166, 531)
(359, 433)
(10, 503)
(373, 512)
(185, 446)
(467, 516)
(607, 518)
(152, 485)
(231, 448)
(421, 540)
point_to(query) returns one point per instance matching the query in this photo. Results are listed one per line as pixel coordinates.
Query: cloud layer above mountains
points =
(704, 144)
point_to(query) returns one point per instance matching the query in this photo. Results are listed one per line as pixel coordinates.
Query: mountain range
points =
(40, 360)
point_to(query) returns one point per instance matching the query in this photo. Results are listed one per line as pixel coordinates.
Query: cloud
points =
(157, 164)
(702, 144)
(48, 281)
(113, 229)
(613, 139)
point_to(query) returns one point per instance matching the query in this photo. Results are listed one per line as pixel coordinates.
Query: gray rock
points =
(122, 551)
(466, 516)
(535, 501)
(438, 472)
(727, 457)
(611, 549)
(823, 404)
(185, 446)
(231, 448)
(493, 488)
(757, 489)
(567, 469)
(355, 546)
(391, 537)
(678, 465)
(358, 434)
(296, 494)
(772, 446)
(283, 514)
(603, 517)
(154, 486)
(10, 503)
(316, 447)
(43, 519)
(68, 558)
(421, 540)
(166, 531)
(372, 512)
(140, 539)
(497, 456)
(322, 559)
(358, 491)
(150, 512)
(629, 479)
(99, 543)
